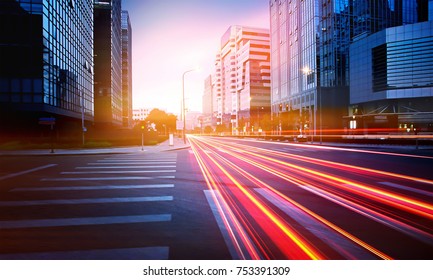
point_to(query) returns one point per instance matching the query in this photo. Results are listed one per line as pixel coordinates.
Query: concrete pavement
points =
(164, 146)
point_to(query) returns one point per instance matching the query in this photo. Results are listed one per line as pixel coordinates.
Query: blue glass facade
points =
(294, 68)
(126, 70)
(108, 63)
(46, 49)
(322, 49)
(392, 77)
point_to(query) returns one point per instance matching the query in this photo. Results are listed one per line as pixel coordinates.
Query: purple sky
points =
(170, 37)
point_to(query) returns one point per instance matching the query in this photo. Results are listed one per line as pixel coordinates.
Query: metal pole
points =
(82, 116)
(183, 107)
(320, 113)
(183, 104)
(52, 138)
(142, 140)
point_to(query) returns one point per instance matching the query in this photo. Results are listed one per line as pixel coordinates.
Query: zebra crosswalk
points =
(91, 197)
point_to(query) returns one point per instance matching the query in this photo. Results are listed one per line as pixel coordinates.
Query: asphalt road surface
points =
(220, 199)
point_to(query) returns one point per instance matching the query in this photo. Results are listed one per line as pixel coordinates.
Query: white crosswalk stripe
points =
(84, 221)
(87, 188)
(85, 201)
(126, 167)
(144, 253)
(117, 168)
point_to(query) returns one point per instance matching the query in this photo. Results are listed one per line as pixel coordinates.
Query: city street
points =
(220, 198)
(140, 205)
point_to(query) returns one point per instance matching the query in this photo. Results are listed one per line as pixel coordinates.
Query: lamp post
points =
(83, 128)
(183, 102)
(307, 71)
(142, 137)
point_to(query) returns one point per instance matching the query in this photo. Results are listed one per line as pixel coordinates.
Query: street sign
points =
(47, 121)
(179, 125)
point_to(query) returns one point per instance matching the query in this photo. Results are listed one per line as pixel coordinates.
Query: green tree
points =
(162, 120)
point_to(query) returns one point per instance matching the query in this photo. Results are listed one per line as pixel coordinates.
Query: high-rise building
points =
(242, 78)
(108, 63)
(294, 65)
(310, 43)
(207, 100)
(391, 75)
(126, 70)
(46, 68)
(140, 114)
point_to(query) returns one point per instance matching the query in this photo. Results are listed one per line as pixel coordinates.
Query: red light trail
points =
(256, 193)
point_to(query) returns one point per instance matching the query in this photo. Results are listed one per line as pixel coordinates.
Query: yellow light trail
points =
(395, 200)
(246, 154)
(244, 239)
(311, 213)
(302, 244)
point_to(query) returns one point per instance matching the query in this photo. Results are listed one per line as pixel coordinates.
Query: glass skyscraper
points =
(46, 69)
(126, 70)
(392, 79)
(108, 63)
(294, 64)
(310, 46)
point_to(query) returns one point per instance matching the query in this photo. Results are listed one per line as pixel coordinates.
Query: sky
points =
(170, 37)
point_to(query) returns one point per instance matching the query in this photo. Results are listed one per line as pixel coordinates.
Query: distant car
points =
(301, 138)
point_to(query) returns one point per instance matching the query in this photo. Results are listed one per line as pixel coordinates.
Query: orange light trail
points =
(395, 200)
(302, 250)
(217, 159)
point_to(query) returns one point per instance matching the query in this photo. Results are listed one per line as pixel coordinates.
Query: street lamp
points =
(183, 102)
(142, 137)
(307, 71)
(83, 128)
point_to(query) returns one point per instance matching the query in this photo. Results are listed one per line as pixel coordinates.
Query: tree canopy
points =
(161, 118)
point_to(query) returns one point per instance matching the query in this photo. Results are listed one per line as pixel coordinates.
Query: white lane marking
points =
(141, 158)
(143, 253)
(373, 215)
(117, 172)
(389, 184)
(85, 201)
(343, 245)
(108, 178)
(235, 236)
(86, 188)
(126, 167)
(26, 171)
(132, 160)
(131, 163)
(107, 220)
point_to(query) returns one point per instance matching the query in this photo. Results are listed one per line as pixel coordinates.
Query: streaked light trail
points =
(265, 198)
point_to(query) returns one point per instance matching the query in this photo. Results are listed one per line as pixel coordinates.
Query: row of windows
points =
(403, 64)
(64, 79)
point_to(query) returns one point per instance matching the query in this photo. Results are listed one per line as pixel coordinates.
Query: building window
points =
(379, 68)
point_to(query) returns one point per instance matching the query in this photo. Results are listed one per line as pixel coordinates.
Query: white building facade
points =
(242, 78)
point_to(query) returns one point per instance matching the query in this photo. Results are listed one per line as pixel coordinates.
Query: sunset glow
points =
(171, 37)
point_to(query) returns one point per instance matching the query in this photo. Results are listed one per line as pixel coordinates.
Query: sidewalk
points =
(161, 147)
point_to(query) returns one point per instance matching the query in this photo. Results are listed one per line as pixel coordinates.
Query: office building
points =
(108, 63)
(207, 101)
(126, 70)
(242, 78)
(294, 65)
(46, 69)
(310, 43)
(140, 114)
(392, 80)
